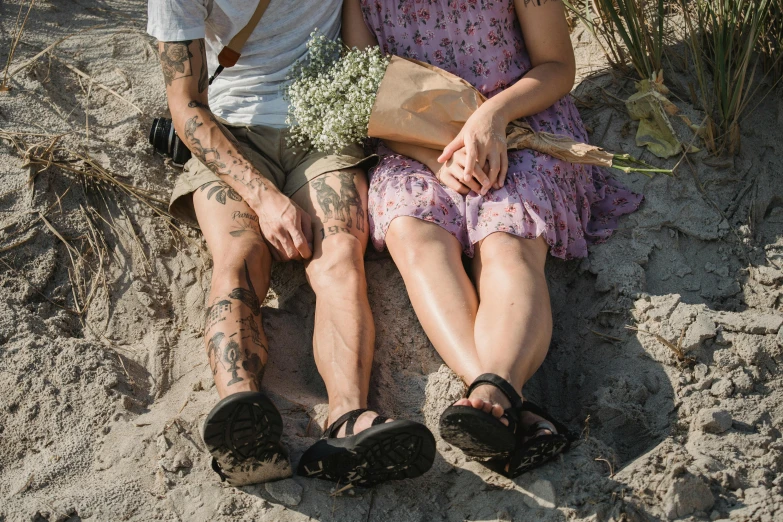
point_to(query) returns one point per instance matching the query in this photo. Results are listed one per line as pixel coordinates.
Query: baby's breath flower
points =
(332, 92)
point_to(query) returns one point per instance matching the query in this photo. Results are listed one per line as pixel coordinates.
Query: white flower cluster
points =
(332, 92)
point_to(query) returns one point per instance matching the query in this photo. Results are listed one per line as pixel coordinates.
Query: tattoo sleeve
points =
(233, 165)
(175, 60)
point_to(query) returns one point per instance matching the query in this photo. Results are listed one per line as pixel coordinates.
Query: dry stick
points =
(611, 468)
(3, 86)
(87, 115)
(599, 334)
(32, 60)
(97, 83)
(677, 349)
(18, 243)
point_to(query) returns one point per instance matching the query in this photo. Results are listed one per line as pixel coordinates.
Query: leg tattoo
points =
(328, 199)
(349, 197)
(248, 297)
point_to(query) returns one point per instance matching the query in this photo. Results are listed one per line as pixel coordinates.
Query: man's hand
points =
(285, 226)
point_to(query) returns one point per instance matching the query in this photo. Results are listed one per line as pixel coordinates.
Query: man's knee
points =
(340, 263)
(239, 259)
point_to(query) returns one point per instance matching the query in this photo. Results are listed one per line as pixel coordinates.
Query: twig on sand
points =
(97, 83)
(26, 484)
(341, 490)
(605, 336)
(586, 429)
(676, 348)
(32, 60)
(3, 86)
(611, 468)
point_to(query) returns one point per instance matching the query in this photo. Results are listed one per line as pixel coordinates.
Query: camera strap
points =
(230, 54)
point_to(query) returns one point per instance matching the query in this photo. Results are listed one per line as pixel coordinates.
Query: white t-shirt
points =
(250, 92)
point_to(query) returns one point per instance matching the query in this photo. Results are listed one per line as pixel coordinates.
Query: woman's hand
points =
(483, 139)
(453, 174)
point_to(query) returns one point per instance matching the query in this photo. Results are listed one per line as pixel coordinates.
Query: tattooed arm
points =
(285, 226)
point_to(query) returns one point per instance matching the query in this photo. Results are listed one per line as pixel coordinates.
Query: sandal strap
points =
(536, 410)
(380, 419)
(501, 384)
(540, 425)
(349, 419)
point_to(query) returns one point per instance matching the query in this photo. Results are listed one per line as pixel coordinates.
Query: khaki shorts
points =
(288, 167)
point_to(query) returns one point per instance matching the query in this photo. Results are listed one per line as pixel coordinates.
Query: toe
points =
(497, 411)
(463, 402)
(482, 405)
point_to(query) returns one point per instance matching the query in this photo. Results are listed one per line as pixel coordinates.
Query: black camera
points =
(165, 140)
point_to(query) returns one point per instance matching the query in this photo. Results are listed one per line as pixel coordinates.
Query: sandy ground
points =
(100, 414)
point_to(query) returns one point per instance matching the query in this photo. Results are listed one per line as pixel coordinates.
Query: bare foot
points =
(488, 399)
(491, 400)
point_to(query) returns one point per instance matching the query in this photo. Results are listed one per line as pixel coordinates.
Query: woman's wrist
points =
(498, 113)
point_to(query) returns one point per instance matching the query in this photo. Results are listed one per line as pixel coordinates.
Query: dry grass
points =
(771, 43)
(724, 37)
(627, 30)
(19, 29)
(88, 251)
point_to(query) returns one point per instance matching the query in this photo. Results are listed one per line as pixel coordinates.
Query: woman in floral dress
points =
(504, 210)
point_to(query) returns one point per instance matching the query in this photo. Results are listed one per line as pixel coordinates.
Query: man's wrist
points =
(258, 190)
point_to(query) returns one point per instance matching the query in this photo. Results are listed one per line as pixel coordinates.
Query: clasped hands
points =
(477, 159)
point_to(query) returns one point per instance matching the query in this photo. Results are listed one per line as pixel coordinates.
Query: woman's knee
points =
(501, 249)
(413, 241)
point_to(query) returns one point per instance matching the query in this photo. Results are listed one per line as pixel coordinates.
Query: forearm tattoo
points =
(175, 60)
(236, 167)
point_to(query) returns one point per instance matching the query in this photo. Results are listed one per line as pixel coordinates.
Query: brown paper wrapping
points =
(420, 104)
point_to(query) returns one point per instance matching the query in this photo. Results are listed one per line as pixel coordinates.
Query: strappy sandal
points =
(242, 432)
(480, 434)
(385, 451)
(534, 450)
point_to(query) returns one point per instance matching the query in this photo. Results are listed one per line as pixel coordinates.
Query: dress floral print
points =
(571, 205)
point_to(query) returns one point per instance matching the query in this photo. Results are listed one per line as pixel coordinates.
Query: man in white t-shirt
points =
(255, 199)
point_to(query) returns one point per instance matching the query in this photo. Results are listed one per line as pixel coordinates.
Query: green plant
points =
(627, 30)
(771, 44)
(723, 36)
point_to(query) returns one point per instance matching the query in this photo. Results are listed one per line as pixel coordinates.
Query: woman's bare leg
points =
(445, 301)
(514, 320)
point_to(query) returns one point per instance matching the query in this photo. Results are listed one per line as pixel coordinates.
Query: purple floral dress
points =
(572, 205)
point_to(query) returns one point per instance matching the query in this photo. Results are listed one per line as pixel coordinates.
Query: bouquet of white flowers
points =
(339, 96)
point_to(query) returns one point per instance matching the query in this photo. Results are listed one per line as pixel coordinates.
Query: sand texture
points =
(100, 411)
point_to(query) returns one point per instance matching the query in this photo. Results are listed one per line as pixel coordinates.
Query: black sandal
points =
(537, 450)
(242, 432)
(385, 451)
(477, 433)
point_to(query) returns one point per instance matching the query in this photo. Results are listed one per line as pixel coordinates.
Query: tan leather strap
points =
(230, 54)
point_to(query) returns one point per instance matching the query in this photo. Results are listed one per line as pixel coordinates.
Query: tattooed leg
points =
(344, 331)
(236, 345)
